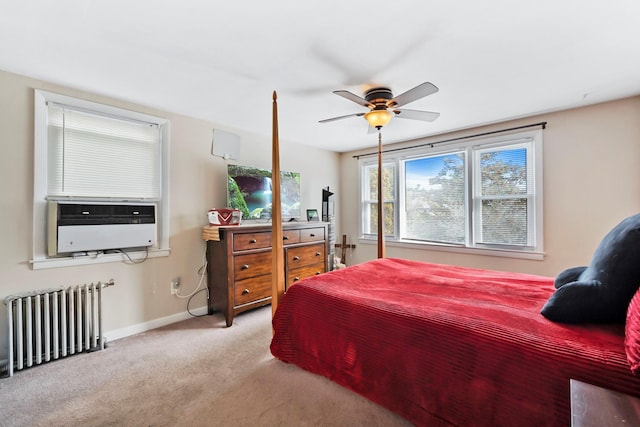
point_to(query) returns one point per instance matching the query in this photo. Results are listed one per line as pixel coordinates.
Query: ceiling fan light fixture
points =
(378, 118)
(382, 104)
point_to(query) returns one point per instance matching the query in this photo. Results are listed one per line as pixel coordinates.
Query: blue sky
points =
(419, 171)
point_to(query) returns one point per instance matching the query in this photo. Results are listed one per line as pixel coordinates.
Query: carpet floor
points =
(192, 373)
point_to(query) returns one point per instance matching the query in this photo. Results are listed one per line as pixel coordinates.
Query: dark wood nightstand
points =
(593, 406)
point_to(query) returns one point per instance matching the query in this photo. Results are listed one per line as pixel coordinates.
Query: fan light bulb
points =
(378, 118)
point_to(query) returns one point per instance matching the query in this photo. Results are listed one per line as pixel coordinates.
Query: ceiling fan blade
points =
(341, 117)
(427, 116)
(352, 97)
(411, 95)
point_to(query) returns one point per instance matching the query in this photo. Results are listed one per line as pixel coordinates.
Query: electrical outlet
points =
(175, 285)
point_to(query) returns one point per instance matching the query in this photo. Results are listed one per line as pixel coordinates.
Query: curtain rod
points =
(431, 144)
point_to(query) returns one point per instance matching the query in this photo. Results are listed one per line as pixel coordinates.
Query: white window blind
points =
(92, 155)
(504, 195)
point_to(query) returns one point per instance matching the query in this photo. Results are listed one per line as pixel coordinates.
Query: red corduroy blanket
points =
(446, 345)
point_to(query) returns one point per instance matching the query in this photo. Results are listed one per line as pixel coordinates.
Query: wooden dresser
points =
(593, 406)
(239, 262)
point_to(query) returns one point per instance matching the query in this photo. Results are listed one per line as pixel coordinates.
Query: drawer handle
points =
(318, 272)
(245, 267)
(296, 258)
(318, 254)
(295, 279)
(285, 238)
(253, 241)
(312, 234)
(245, 292)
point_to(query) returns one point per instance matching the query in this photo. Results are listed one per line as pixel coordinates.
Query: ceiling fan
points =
(383, 105)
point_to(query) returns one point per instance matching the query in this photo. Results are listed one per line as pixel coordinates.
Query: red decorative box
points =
(224, 216)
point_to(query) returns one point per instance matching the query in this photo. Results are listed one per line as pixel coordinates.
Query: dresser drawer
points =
(252, 265)
(312, 234)
(304, 255)
(290, 237)
(246, 241)
(300, 273)
(250, 290)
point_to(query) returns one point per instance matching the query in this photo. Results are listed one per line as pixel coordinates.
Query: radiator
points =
(54, 323)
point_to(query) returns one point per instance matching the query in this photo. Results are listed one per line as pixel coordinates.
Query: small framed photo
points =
(312, 215)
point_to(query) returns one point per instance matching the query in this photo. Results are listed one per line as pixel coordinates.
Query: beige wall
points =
(141, 297)
(591, 182)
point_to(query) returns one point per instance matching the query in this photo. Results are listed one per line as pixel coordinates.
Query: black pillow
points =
(600, 293)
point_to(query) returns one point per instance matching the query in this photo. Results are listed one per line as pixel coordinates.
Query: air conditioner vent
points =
(79, 227)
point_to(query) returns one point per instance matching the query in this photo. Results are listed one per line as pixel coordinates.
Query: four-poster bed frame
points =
(277, 287)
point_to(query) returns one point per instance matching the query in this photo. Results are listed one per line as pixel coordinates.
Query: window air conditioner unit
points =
(80, 227)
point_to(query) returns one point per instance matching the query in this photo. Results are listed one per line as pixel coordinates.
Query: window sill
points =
(538, 256)
(99, 258)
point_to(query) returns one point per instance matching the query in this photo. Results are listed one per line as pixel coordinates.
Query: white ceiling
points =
(221, 61)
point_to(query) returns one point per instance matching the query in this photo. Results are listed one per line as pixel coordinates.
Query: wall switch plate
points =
(175, 285)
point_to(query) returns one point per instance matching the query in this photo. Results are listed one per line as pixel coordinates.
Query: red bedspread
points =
(446, 345)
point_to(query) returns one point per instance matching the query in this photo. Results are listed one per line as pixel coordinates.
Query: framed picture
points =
(312, 215)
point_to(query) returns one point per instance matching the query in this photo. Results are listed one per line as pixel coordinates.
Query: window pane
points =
(388, 192)
(503, 172)
(388, 219)
(388, 184)
(504, 222)
(435, 198)
(504, 186)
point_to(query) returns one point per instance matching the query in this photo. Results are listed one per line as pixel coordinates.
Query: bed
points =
(447, 345)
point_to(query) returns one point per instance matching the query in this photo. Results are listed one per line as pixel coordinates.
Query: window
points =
(481, 194)
(90, 152)
(434, 188)
(503, 196)
(370, 205)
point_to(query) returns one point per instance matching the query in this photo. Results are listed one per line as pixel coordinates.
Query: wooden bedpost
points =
(381, 249)
(277, 252)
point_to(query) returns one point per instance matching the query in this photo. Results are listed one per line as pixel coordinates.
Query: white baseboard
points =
(152, 324)
(127, 331)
